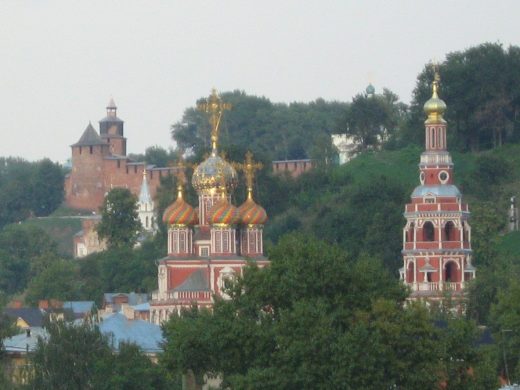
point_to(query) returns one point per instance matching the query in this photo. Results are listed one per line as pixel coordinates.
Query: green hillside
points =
(60, 229)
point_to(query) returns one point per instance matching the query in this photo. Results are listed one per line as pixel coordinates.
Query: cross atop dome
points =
(249, 167)
(215, 107)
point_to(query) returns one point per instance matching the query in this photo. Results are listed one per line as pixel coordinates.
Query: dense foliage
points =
(80, 357)
(278, 131)
(119, 224)
(481, 86)
(319, 319)
(29, 189)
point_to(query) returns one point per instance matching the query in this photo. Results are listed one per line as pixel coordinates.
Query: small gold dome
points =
(214, 174)
(435, 106)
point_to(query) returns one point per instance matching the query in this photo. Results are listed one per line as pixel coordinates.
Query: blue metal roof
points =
(439, 190)
(79, 307)
(22, 342)
(145, 335)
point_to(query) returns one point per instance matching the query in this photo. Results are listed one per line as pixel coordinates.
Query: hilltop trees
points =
(278, 131)
(28, 189)
(481, 87)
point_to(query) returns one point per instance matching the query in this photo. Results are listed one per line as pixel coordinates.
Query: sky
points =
(62, 61)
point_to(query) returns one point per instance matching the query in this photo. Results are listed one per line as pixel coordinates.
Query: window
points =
(204, 251)
(410, 233)
(225, 242)
(218, 242)
(428, 231)
(449, 230)
(182, 242)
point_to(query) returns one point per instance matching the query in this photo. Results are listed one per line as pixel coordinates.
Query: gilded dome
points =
(180, 213)
(435, 106)
(214, 174)
(223, 213)
(251, 213)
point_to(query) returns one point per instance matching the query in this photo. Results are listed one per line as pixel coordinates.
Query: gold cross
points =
(215, 107)
(249, 167)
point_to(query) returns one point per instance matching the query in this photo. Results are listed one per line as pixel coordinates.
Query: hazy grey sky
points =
(61, 61)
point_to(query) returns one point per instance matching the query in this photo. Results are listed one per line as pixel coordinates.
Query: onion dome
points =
(223, 213)
(435, 106)
(370, 90)
(251, 213)
(213, 174)
(180, 213)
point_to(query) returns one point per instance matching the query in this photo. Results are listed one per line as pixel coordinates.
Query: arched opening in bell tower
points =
(449, 231)
(450, 272)
(428, 231)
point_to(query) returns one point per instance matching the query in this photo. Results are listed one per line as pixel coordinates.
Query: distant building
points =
(293, 167)
(87, 241)
(347, 147)
(114, 302)
(99, 163)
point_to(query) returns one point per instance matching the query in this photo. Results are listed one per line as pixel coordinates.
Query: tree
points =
(78, 356)
(480, 86)
(314, 319)
(58, 281)
(48, 190)
(72, 357)
(119, 224)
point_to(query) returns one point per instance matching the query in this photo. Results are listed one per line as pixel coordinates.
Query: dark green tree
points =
(47, 192)
(314, 319)
(119, 224)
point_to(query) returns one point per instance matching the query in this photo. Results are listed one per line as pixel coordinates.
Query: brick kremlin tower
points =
(211, 244)
(437, 237)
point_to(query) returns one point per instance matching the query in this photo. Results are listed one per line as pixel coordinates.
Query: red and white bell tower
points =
(437, 236)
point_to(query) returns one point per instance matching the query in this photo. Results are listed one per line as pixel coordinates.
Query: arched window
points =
(409, 272)
(428, 231)
(410, 233)
(450, 273)
(449, 231)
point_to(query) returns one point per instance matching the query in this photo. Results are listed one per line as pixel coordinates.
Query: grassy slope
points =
(60, 229)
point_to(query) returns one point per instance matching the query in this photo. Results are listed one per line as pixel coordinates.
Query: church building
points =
(437, 255)
(208, 245)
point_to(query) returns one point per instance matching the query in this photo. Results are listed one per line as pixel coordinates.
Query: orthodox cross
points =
(249, 167)
(215, 107)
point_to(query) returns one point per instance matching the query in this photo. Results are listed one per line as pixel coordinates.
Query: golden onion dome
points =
(435, 106)
(213, 175)
(251, 213)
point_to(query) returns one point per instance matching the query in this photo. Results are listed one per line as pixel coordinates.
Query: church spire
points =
(144, 194)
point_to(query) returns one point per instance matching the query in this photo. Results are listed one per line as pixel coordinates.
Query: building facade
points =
(99, 163)
(437, 255)
(208, 246)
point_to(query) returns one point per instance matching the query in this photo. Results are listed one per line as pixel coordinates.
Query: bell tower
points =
(436, 251)
(111, 129)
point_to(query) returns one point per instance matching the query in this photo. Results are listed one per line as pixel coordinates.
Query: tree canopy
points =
(119, 224)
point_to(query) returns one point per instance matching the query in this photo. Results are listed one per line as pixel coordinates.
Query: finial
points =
(435, 107)
(249, 167)
(215, 107)
(180, 174)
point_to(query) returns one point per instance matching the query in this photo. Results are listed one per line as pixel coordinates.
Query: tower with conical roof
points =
(211, 244)
(111, 129)
(437, 255)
